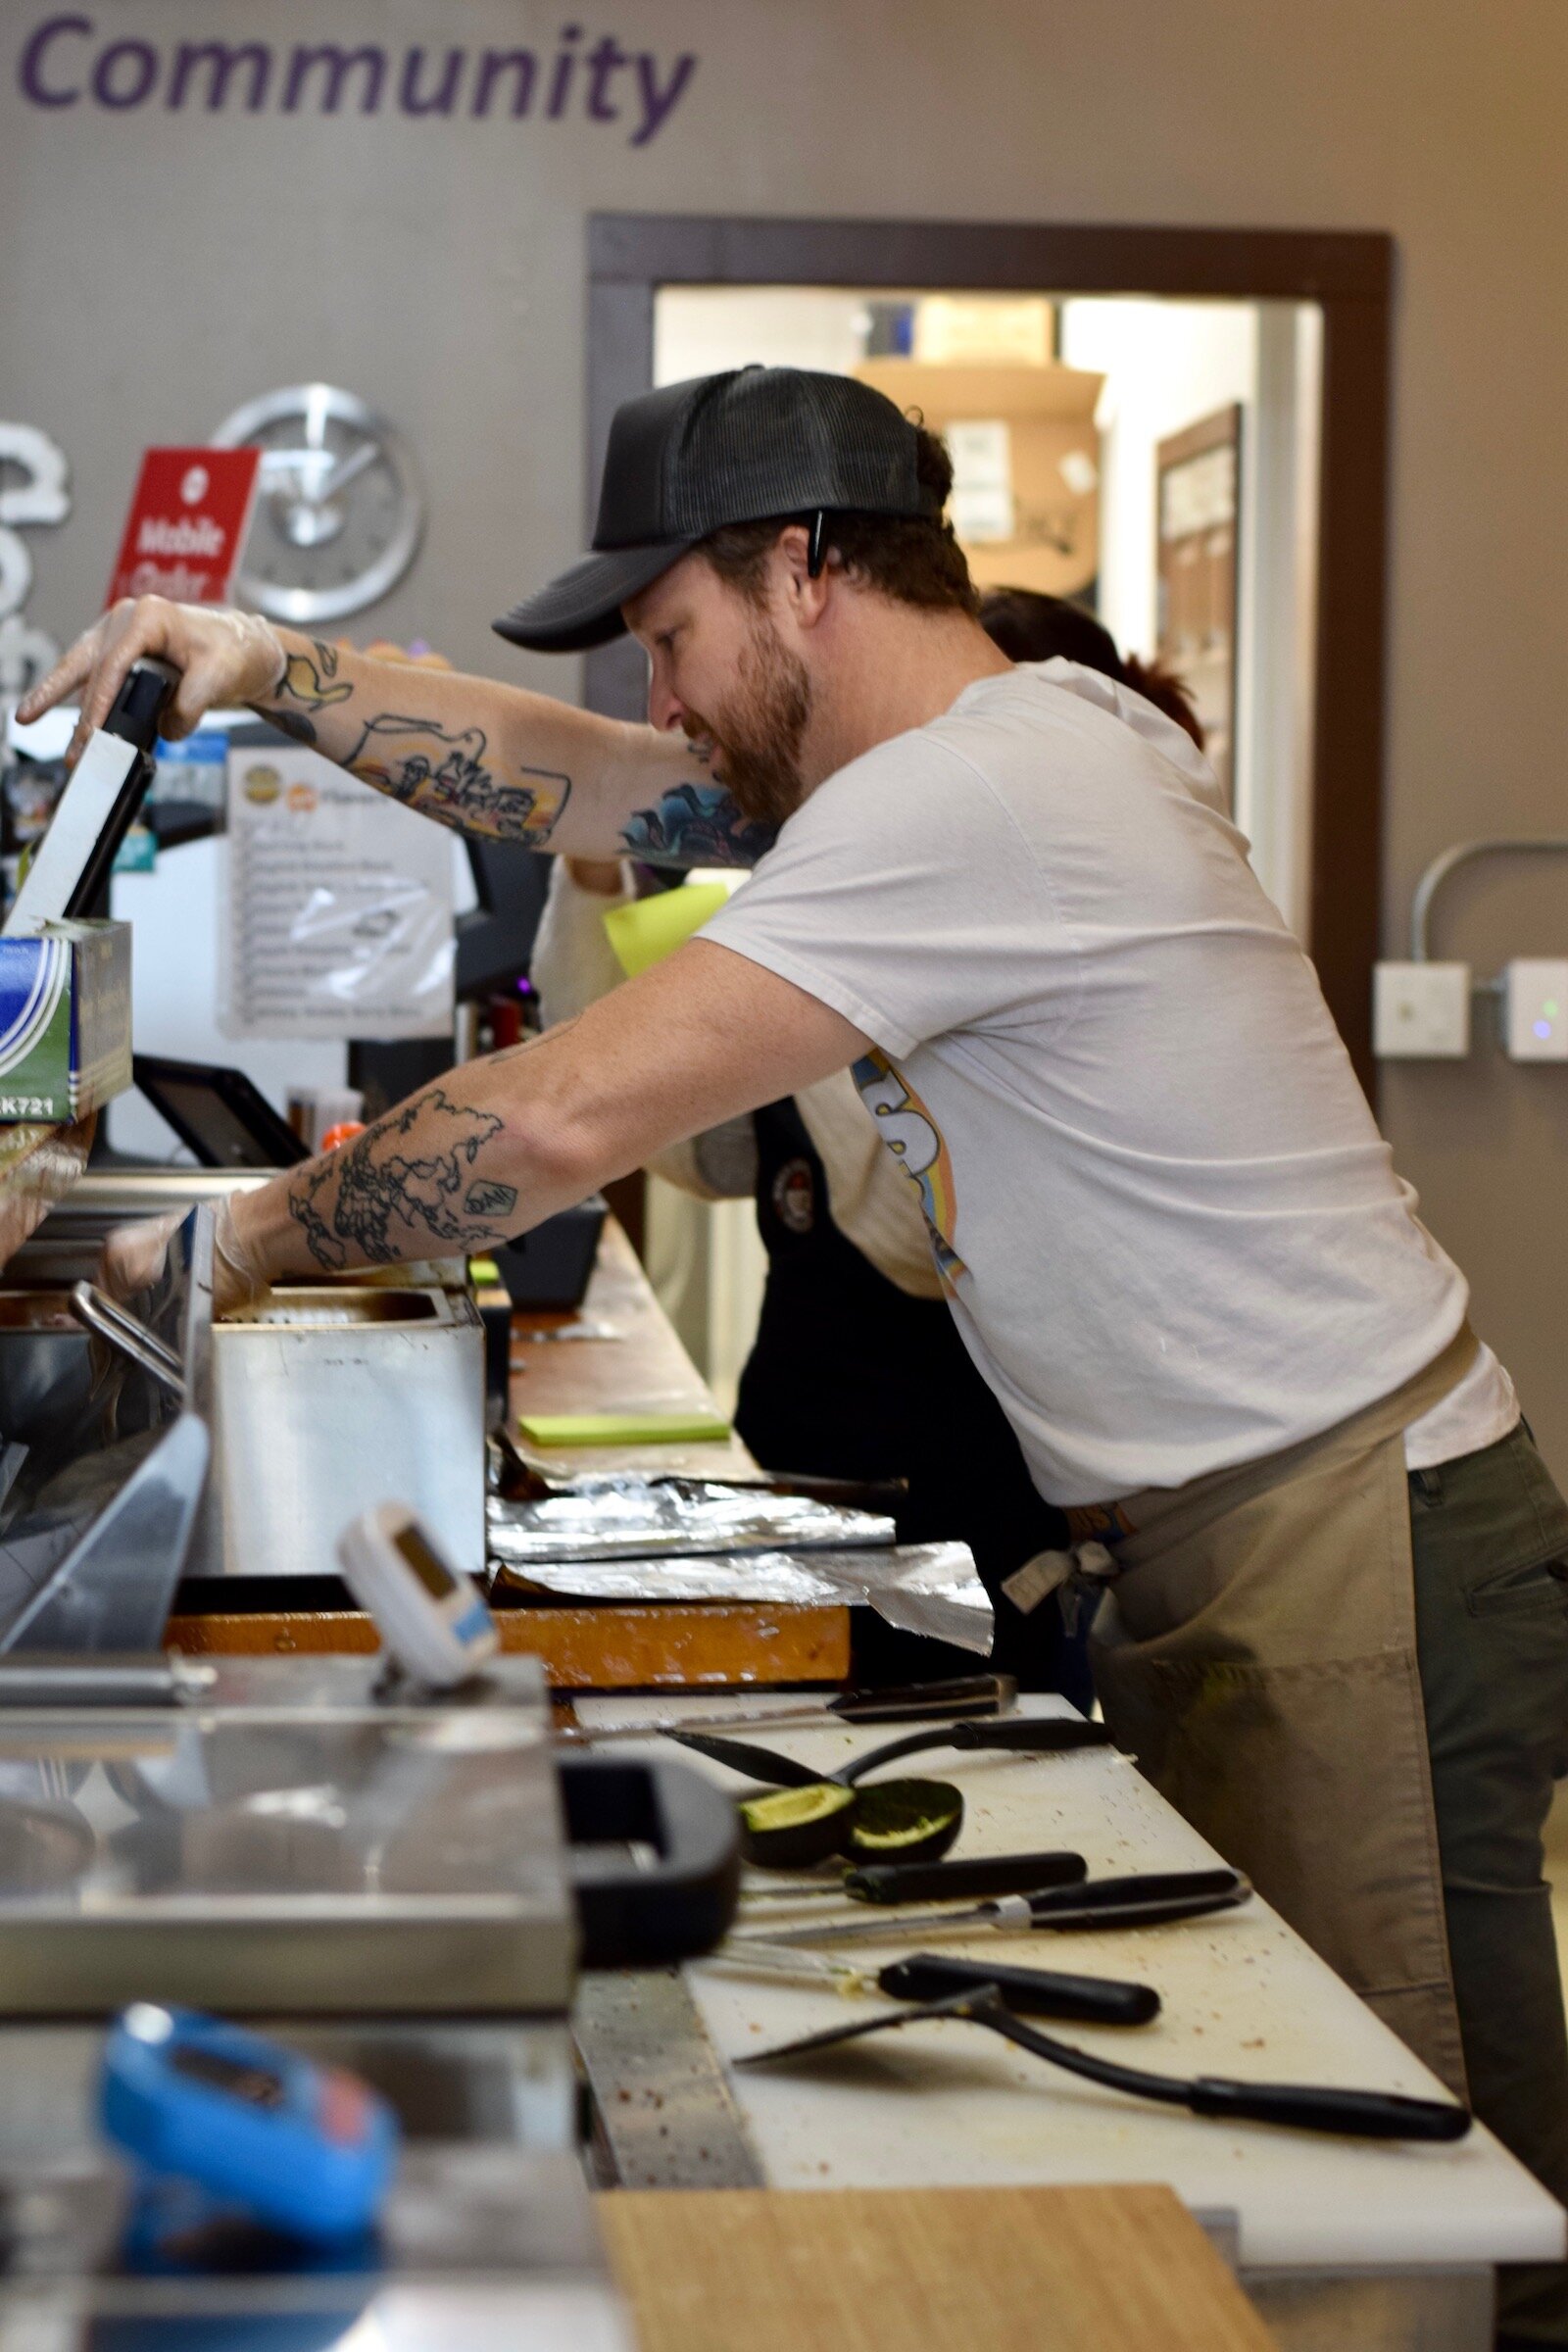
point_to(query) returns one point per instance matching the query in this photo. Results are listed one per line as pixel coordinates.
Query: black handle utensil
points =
(964, 1696)
(1303, 2107)
(1030, 1735)
(1146, 1900)
(927, 1977)
(885, 1883)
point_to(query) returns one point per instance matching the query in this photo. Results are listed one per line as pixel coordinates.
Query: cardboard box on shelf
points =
(1026, 497)
(64, 1020)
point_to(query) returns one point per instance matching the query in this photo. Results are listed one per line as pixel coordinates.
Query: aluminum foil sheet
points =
(627, 1517)
(929, 1589)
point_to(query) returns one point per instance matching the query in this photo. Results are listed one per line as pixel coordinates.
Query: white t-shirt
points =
(1170, 1233)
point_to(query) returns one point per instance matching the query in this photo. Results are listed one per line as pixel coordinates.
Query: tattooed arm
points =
(468, 751)
(502, 1143)
(458, 749)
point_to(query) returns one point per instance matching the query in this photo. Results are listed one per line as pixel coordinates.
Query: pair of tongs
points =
(1356, 2114)
(129, 1336)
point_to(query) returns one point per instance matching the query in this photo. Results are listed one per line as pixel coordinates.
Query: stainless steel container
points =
(312, 1852)
(329, 1400)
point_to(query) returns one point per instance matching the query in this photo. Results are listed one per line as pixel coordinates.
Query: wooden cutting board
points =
(960, 2269)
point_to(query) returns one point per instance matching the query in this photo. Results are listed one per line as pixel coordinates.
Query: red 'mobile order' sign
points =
(186, 526)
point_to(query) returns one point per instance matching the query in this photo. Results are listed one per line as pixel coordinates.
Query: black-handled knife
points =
(886, 1883)
(964, 1695)
(975, 1875)
(1142, 1900)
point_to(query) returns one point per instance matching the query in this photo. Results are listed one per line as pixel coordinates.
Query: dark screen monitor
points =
(219, 1115)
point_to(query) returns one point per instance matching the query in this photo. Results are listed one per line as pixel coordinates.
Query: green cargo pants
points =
(1490, 1539)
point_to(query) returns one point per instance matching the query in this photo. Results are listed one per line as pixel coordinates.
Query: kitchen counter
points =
(945, 2104)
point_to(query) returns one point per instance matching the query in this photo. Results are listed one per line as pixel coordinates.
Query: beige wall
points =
(155, 268)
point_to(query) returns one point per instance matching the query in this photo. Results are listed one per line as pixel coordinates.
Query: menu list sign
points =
(340, 907)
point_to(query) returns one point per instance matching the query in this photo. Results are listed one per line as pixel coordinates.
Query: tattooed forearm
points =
(446, 777)
(409, 1175)
(445, 773)
(697, 824)
(310, 684)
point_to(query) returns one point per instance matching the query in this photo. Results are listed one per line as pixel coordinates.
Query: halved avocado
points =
(790, 1829)
(905, 1821)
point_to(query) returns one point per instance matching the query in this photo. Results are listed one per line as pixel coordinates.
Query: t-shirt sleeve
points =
(902, 895)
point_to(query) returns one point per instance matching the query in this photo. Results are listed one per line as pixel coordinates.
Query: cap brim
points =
(582, 608)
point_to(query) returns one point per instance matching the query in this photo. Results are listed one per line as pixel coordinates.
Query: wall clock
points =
(338, 510)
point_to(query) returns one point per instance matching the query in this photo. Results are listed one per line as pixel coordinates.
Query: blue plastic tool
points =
(302, 2148)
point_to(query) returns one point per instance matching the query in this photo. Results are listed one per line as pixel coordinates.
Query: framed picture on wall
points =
(1198, 519)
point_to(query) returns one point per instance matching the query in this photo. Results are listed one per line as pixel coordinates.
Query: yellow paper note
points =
(644, 933)
(623, 1429)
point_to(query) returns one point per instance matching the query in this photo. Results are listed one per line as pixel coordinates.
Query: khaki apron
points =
(1256, 1653)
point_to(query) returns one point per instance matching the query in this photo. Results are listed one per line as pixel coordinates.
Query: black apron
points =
(850, 1377)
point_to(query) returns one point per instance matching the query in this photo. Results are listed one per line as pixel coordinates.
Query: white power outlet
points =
(1536, 1009)
(1421, 1012)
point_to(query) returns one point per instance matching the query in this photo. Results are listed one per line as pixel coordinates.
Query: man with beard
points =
(1333, 1623)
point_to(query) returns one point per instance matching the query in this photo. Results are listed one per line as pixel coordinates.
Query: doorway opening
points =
(1156, 461)
(1183, 429)
(1153, 459)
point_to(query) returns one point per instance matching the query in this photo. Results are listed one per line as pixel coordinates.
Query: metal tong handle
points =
(129, 1336)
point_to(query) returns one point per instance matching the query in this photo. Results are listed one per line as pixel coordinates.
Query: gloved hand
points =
(133, 1259)
(222, 658)
(240, 1277)
(133, 1255)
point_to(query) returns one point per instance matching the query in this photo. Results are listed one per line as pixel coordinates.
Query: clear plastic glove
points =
(239, 1278)
(222, 658)
(133, 1255)
(133, 1259)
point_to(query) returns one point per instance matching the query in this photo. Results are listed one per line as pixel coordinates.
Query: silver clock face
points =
(338, 507)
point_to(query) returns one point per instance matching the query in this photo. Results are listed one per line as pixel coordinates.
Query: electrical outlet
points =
(1535, 1000)
(1421, 1012)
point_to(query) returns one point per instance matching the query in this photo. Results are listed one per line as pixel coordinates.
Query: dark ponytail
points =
(1030, 627)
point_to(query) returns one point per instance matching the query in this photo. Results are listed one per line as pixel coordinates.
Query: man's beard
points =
(757, 735)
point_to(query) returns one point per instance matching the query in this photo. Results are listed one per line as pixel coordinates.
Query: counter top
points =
(617, 1353)
(946, 2104)
(1117, 2270)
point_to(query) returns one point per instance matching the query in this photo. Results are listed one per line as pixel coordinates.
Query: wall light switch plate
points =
(1535, 1001)
(1421, 1012)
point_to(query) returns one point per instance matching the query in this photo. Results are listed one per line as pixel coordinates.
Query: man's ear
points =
(805, 594)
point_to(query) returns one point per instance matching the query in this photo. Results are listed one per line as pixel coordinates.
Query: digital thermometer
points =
(433, 1619)
(306, 2149)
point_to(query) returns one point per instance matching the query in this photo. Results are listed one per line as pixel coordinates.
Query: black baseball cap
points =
(743, 447)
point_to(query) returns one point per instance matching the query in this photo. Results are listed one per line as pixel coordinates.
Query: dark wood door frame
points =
(1348, 273)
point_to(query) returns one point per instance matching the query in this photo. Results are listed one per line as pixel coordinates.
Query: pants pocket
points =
(1537, 1588)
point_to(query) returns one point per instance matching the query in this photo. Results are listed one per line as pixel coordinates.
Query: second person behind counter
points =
(857, 1370)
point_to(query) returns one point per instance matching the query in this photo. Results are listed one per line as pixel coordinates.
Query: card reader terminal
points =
(97, 807)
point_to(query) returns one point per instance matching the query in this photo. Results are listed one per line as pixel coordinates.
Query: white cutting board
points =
(949, 2104)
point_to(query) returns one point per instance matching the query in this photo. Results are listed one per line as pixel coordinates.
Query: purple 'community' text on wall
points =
(67, 61)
